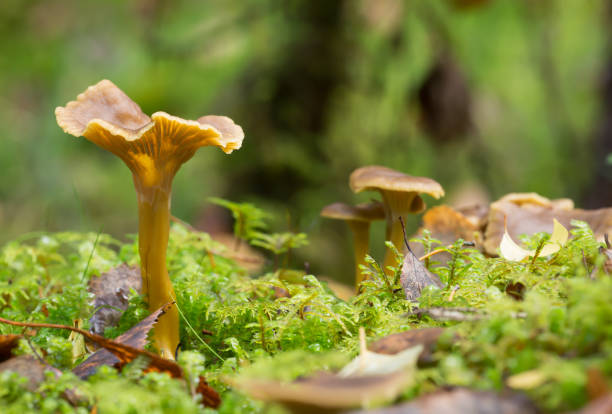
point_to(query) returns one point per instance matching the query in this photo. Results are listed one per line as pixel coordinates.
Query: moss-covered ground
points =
(233, 324)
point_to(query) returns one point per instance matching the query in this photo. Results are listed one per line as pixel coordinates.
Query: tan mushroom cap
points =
(535, 199)
(361, 212)
(109, 118)
(375, 177)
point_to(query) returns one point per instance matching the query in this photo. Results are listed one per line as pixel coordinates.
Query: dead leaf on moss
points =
(461, 401)
(125, 353)
(602, 405)
(529, 215)
(136, 337)
(367, 379)
(111, 294)
(7, 344)
(607, 252)
(30, 367)
(327, 393)
(509, 250)
(415, 276)
(392, 344)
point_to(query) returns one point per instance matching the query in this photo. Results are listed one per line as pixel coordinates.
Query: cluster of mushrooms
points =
(155, 147)
(401, 195)
(482, 225)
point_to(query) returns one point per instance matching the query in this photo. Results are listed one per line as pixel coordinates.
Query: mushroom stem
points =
(396, 205)
(361, 237)
(153, 231)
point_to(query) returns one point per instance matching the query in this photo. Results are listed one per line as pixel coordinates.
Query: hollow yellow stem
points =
(361, 236)
(153, 231)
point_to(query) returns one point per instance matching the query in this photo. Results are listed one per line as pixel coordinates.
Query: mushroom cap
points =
(374, 177)
(361, 212)
(109, 118)
(535, 199)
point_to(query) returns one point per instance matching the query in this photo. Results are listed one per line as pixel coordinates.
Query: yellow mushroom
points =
(358, 218)
(153, 148)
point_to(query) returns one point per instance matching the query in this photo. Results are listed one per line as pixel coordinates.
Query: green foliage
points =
(279, 243)
(286, 324)
(249, 220)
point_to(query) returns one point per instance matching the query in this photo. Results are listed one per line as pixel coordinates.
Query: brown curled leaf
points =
(111, 294)
(415, 276)
(136, 337)
(124, 353)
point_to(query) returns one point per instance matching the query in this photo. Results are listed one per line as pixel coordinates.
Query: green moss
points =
(561, 328)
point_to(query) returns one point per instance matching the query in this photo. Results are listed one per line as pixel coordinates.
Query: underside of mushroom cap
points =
(376, 177)
(108, 117)
(361, 212)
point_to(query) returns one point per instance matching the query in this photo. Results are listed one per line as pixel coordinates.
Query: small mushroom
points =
(400, 194)
(358, 218)
(153, 148)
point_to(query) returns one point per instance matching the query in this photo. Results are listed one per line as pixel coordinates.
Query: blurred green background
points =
(487, 97)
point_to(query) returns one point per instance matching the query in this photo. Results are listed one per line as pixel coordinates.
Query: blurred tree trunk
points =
(599, 194)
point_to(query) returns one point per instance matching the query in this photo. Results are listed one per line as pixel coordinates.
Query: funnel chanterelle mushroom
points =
(400, 194)
(358, 218)
(153, 148)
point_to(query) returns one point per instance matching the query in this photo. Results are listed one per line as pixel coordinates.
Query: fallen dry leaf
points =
(532, 215)
(30, 367)
(111, 293)
(607, 252)
(136, 337)
(392, 344)
(7, 344)
(125, 353)
(327, 393)
(415, 276)
(461, 401)
(509, 250)
(369, 363)
(367, 379)
(602, 405)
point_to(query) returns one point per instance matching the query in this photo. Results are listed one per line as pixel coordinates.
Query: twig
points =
(454, 290)
(401, 220)
(459, 314)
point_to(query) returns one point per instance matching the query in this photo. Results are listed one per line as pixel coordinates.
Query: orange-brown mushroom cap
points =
(375, 177)
(109, 118)
(383, 179)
